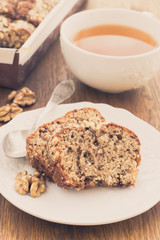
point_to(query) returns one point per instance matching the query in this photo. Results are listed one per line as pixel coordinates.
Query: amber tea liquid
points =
(114, 40)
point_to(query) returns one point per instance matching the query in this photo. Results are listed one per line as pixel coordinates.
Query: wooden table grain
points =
(143, 102)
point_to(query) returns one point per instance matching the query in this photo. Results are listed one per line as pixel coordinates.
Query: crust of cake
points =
(80, 171)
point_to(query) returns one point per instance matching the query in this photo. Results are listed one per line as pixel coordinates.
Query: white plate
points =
(92, 206)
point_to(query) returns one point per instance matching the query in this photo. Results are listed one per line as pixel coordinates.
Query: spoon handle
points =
(62, 91)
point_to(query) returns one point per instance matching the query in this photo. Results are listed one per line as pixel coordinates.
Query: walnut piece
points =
(12, 95)
(36, 189)
(35, 185)
(22, 182)
(4, 110)
(9, 111)
(23, 97)
(36, 173)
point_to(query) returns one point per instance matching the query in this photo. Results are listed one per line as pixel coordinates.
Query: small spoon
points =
(14, 143)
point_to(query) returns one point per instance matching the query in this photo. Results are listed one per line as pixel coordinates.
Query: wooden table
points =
(143, 102)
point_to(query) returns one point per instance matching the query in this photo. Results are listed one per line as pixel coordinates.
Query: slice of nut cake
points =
(87, 157)
(39, 144)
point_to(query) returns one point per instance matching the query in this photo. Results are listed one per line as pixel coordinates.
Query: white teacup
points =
(111, 73)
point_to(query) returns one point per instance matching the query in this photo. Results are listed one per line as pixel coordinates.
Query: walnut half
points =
(35, 185)
(23, 97)
(9, 111)
(22, 182)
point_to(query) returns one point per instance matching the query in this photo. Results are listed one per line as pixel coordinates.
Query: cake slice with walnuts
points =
(86, 157)
(39, 144)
